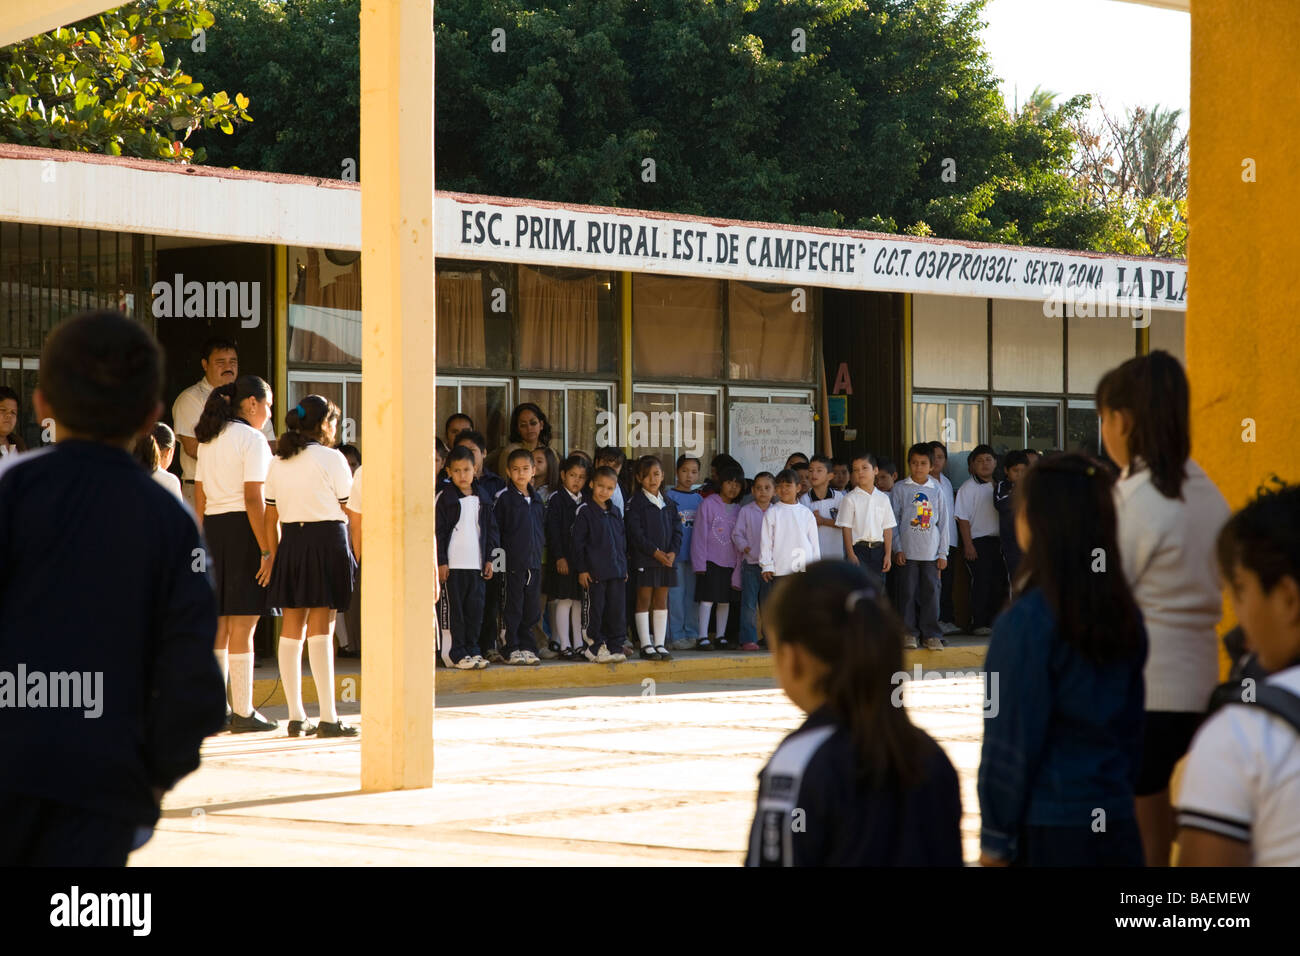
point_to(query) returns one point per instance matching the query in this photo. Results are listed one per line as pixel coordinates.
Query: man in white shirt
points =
(220, 367)
(939, 455)
(977, 523)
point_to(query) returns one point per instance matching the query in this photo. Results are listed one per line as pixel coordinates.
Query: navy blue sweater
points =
(1066, 735)
(560, 511)
(447, 514)
(599, 542)
(522, 520)
(103, 572)
(651, 529)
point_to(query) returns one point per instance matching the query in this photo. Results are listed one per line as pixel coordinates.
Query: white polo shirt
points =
(975, 504)
(313, 485)
(830, 540)
(354, 499)
(1242, 779)
(867, 514)
(169, 481)
(239, 454)
(185, 415)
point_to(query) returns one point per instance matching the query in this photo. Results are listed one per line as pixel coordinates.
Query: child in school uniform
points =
(600, 560)
(858, 784)
(748, 539)
(491, 631)
(921, 548)
(1016, 464)
(790, 541)
(977, 523)
(866, 521)
(939, 457)
(546, 471)
(654, 536)
(467, 536)
(683, 628)
(841, 478)
(100, 578)
(232, 464)
(313, 573)
(561, 580)
(521, 518)
(713, 554)
(824, 502)
(614, 459)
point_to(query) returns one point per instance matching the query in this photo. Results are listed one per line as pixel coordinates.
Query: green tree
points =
(103, 86)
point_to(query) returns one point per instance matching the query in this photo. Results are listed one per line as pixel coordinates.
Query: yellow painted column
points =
(1243, 342)
(397, 603)
(625, 364)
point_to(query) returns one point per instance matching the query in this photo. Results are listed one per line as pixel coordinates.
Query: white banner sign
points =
(551, 234)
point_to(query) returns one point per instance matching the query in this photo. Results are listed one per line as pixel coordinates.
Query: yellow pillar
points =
(625, 363)
(1243, 342)
(397, 604)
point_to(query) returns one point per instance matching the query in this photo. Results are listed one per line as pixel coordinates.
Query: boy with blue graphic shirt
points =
(920, 548)
(682, 610)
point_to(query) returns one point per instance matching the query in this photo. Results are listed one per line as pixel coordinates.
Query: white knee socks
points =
(223, 663)
(560, 621)
(705, 608)
(290, 654)
(241, 684)
(661, 627)
(643, 628)
(723, 611)
(320, 651)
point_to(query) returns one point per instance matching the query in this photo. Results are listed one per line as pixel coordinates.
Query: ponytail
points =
(1153, 390)
(835, 612)
(307, 422)
(223, 405)
(146, 452)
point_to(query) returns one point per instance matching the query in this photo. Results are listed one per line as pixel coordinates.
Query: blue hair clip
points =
(298, 408)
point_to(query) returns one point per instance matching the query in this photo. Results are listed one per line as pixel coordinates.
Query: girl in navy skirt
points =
(232, 463)
(654, 536)
(313, 573)
(561, 583)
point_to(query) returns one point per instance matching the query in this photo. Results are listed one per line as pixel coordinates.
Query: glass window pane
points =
(551, 402)
(953, 335)
(353, 394)
(699, 428)
(585, 404)
(566, 320)
(473, 314)
(1027, 348)
(768, 340)
(1043, 427)
(1096, 345)
(1007, 428)
(676, 327)
(653, 441)
(486, 404)
(325, 306)
(1083, 431)
(961, 435)
(805, 399)
(927, 420)
(446, 402)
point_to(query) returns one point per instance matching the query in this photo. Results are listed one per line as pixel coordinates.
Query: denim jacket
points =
(1063, 736)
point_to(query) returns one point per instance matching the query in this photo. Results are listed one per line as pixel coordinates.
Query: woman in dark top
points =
(858, 784)
(1063, 738)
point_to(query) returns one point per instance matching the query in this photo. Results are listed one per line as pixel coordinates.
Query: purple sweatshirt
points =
(714, 522)
(747, 534)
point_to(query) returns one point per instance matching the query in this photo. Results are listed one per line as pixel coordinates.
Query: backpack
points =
(1274, 699)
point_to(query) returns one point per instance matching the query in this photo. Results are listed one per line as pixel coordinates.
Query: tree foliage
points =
(104, 86)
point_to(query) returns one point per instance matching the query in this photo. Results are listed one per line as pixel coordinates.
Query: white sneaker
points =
(466, 664)
(909, 643)
(948, 627)
(480, 662)
(603, 656)
(933, 644)
(591, 655)
(517, 657)
(530, 658)
(617, 658)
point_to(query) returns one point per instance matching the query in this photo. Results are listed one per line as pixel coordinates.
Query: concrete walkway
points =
(592, 776)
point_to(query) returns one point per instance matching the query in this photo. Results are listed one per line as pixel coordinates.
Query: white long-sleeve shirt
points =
(1167, 548)
(789, 539)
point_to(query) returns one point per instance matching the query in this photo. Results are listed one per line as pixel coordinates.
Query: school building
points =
(752, 338)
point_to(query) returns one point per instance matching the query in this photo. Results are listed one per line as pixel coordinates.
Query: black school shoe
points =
(648, 653)
(336, 729)
(304, 727)
(253, 723)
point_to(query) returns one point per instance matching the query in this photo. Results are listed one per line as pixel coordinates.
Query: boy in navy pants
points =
(521, 517)
(600, 560)
(467, 536)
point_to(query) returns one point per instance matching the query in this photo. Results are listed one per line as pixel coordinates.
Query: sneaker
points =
(909, 643)
(467, 663)
(480, 662)
(601, 655)
(617, 658)
(751, 646)
(550, 652)
(531, 659)
(494, 657)
(982, 631)
(948, 627)
(933, 644)
(517, 657)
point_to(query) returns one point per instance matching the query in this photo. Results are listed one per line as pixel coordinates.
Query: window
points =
(954, 421)
(473, 313)
(676, 327)
(1024, 423)
(767, 339)
(1028, 351)
(1082, 428)
(950, 344)
(486, 401)
(673, 421)
(573, 410)
(566, 320)
(341, 388)
(324, 307)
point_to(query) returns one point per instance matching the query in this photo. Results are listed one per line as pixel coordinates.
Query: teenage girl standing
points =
(313, 573)
(231, 470)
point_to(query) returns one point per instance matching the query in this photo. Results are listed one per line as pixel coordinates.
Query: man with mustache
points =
(220, 367)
